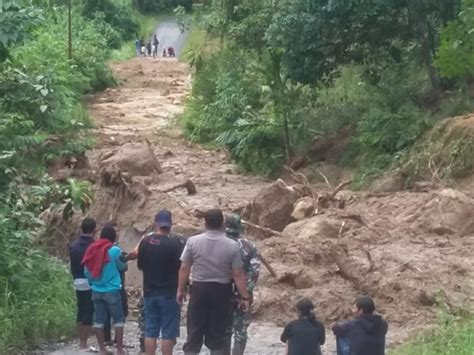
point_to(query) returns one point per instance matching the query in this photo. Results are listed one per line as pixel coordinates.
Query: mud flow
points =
(412, 251)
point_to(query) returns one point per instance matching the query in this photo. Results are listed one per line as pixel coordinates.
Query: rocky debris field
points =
(411, 250)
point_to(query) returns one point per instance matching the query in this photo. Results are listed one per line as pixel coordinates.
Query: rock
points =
(441, 230)
(272, 208)
(137, 159)
(317, 227)
(391, 182)
(303, 208)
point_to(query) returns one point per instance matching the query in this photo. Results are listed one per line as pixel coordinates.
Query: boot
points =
(239, 347)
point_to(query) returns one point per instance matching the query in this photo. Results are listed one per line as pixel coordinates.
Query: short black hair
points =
(305, 306)
(88, 225)
(366, 304)
(111, 224)
(108, 233)
(214, 219)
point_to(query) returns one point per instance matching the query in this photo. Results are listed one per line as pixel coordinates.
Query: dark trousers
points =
(209, 316)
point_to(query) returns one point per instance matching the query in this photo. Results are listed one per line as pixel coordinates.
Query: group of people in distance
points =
(150, 49)
(219, 270)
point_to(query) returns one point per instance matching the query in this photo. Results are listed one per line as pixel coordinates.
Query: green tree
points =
(456, 52)
(15, 21)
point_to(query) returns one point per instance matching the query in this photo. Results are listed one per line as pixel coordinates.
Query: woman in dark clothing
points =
(305, 335)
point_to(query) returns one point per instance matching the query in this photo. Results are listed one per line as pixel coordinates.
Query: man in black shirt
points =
(159, 259)
(85, 307)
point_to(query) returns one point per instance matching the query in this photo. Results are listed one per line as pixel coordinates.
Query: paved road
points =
(169, 34)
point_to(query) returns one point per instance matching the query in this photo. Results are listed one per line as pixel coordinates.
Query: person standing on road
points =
(156, 42)
(252, 262)
(215, 260)
(108, 322)
(103, 263)
(138, 47)
(159, 259)
(85, 307)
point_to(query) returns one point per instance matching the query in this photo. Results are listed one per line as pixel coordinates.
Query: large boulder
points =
(272, 208)
(137, 159)
(303, 208)
(314, 228)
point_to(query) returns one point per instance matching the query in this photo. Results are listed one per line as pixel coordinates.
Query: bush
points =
(226, 108)
(453, 336)
(116, 15)
(36, 301)
(41, 117)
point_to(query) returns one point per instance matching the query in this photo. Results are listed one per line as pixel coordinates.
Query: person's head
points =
(163, 221)
(214, 219)
(108, 233)
(363, 305)
(305, 308)
(112, 224)
(233, 225)
(88, 226)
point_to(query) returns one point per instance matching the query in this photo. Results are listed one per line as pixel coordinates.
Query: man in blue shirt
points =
(85, 307)
(102, 266)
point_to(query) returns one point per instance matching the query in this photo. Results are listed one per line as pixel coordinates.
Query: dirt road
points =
(169, 35)
(145, 106)
(411, 250)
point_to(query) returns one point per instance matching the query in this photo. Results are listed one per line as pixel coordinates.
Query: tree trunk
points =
(286, 138)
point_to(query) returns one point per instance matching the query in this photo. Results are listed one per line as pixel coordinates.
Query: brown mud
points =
(412, 251)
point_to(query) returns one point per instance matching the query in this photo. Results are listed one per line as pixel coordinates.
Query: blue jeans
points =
(108, 301)
(162, 315)
(342, 346)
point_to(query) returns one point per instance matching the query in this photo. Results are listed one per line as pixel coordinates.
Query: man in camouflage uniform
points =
(251, 258)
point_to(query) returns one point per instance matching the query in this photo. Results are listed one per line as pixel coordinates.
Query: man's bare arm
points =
(241, 282)
(183, 278)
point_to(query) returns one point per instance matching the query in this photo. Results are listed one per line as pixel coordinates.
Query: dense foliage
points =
(41, 118)
(272, 76)
(160, 5)
(453, 336)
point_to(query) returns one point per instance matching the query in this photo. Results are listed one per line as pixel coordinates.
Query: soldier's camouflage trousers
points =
(241, 324)
(141, 323)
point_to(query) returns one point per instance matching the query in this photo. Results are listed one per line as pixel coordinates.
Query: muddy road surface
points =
(143, 111)
(170, 35)
(410, 250)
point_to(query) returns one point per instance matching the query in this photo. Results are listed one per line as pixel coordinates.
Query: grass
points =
(148, 24)
(453, 336)
(37, 310)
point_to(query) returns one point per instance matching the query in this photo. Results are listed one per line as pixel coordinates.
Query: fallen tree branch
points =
(268, 266)
(341, 186)
(325, 178)
(300, 177)
(264, 229)
(188, 184)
